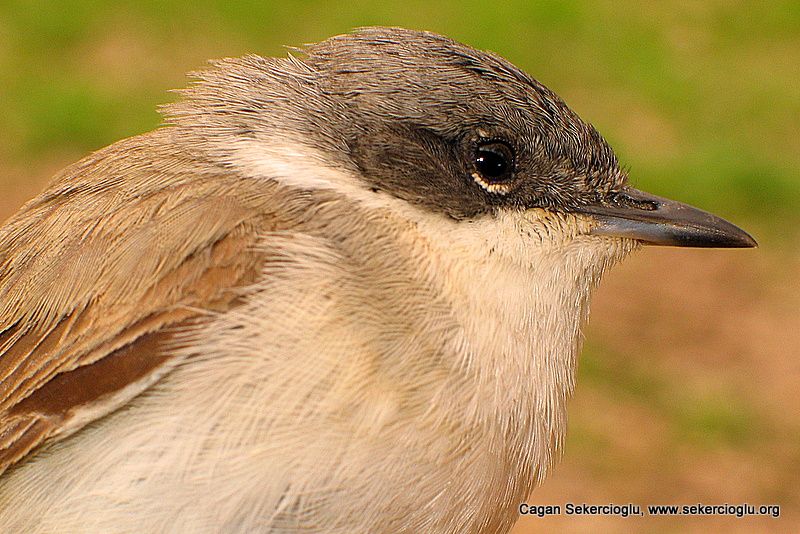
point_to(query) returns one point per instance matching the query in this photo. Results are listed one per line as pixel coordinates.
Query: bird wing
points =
(101, 275)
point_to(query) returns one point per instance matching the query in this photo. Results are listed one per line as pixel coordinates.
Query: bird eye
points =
(494, 165)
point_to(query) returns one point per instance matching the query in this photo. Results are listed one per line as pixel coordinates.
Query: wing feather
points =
(99, 272)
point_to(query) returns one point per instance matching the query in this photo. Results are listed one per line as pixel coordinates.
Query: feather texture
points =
(292, 309)
(322, 344)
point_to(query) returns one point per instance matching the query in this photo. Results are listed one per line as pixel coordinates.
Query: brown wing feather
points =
(99, 272)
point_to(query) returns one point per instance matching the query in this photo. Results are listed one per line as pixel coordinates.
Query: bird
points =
(338, 291)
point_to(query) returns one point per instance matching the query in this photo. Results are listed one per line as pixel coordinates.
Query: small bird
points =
(340, 291)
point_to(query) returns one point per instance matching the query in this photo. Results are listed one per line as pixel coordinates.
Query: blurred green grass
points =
(700, 100)
(703, 419)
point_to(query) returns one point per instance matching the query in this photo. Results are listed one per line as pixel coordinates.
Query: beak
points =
(659, 221)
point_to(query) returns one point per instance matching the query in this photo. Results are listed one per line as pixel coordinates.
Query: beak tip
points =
(733, 236)
(749, 241)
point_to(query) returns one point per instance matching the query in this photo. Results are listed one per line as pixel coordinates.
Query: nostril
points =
(624, 200)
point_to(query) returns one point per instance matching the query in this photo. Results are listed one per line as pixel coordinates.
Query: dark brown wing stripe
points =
(48, 409)
(89, 383)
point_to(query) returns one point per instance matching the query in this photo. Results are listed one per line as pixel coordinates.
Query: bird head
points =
(454, 131)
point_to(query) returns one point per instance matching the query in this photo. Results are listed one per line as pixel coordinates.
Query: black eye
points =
(494, 162)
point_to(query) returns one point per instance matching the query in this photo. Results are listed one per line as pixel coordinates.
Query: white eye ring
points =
(499, 188)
